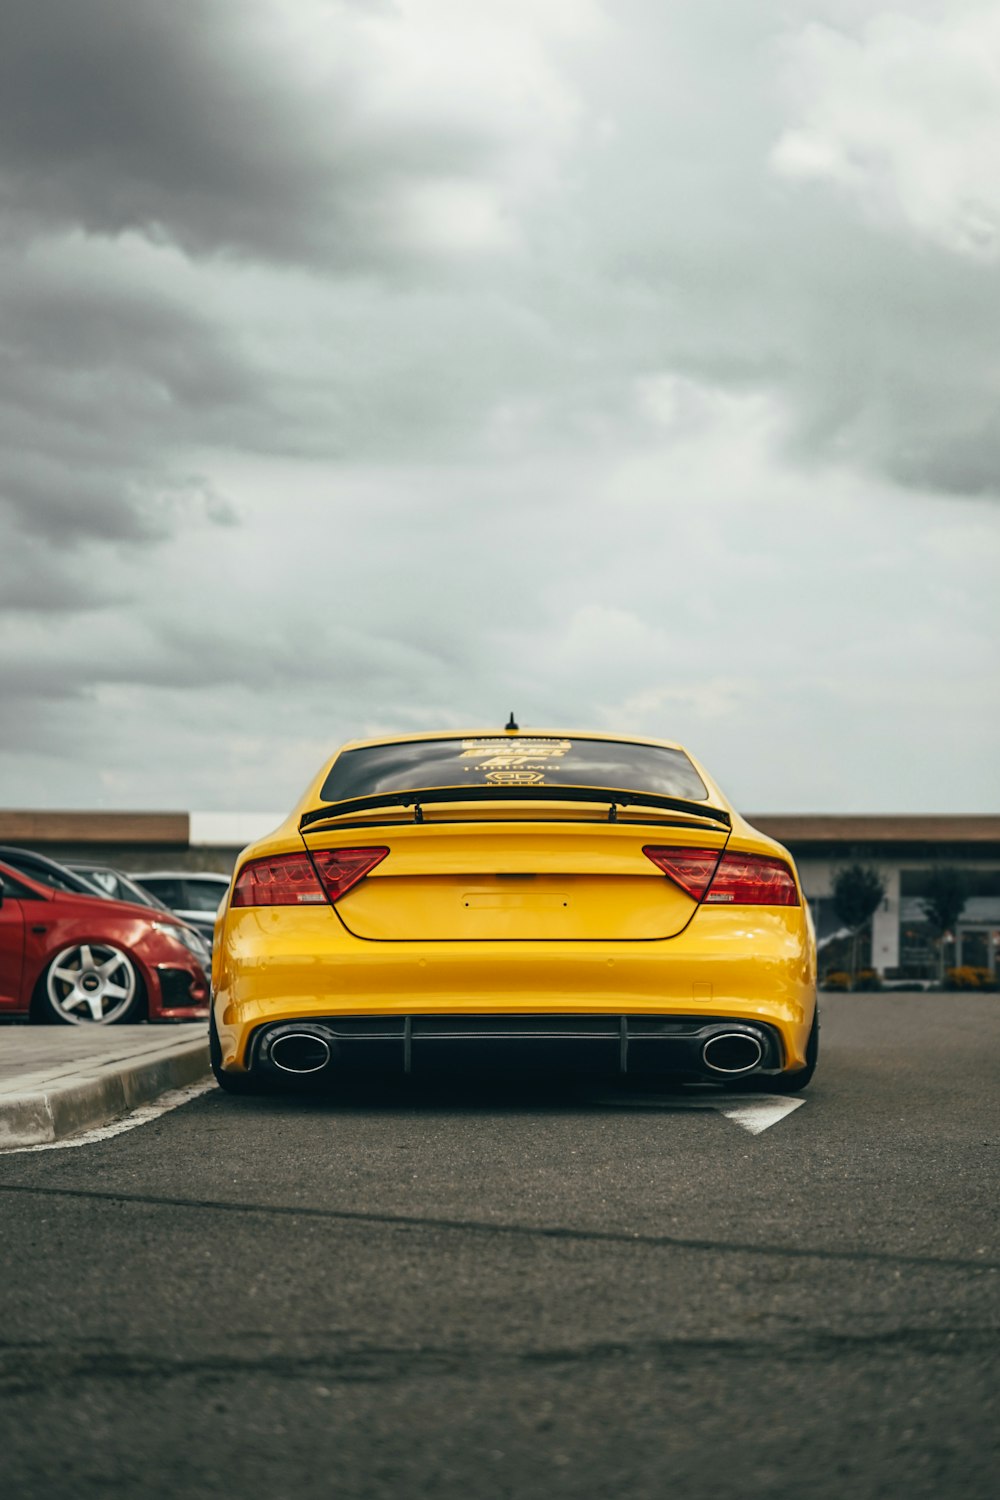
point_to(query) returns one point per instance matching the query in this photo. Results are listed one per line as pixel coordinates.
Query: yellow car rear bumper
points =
(292, 964)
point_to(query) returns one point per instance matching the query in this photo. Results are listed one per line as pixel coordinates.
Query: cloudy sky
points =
(374, 365)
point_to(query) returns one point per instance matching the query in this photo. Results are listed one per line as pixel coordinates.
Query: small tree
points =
(943, 904)
(857, 891)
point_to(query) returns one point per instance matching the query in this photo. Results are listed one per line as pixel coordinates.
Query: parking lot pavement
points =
(545, 1296)
(58, 1080)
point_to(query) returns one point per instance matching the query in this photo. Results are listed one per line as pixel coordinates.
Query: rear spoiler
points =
(613, 800)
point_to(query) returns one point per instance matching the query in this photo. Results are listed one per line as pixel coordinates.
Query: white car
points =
(191, 894)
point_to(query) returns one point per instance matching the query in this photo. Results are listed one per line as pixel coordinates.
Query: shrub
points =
(857, 892)
(969, 978)
(868, 979)
(837, 980)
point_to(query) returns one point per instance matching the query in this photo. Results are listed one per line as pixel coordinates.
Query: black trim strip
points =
(607, 797)
(664, 1043)
(690, 823)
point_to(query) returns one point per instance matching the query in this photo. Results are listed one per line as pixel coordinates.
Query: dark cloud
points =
(146, 116)
(89, 672)
(36, 681)
(101, 385)
(63, 322)
(198, 123)
(34, 582)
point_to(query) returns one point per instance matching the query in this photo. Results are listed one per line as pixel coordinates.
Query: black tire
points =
(90, 984)
(230, 1083)
(794, 1083)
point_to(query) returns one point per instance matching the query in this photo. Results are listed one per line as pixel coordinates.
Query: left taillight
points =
(298, 880)
(736, 879)
(340, 869)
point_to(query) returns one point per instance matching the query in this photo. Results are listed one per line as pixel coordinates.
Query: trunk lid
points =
(505, 879)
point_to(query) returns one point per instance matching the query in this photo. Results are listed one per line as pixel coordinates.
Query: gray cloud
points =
(664, 238)
(150, 117)
(878, 342)
(216, 128)
(98, 386)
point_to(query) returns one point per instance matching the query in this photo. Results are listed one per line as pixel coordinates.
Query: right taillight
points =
(734, 880)
(752, 880)
(691, 869)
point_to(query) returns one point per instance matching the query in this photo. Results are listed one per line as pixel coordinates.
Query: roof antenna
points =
(511, 723)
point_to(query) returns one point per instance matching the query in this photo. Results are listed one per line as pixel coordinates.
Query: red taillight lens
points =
(294, 879)
(752, 880)
(340, 869)
(736, 879)
(282, 880)
(297, 880)
(691, 869)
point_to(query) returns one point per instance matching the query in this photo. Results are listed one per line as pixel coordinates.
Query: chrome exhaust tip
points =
(732, 1052)
(299, 1052)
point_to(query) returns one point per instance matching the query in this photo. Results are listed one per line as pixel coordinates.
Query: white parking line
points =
(761, 1113)
(755, 1113)
(140, 1116)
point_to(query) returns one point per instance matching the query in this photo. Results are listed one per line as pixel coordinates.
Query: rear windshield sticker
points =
(520, 762)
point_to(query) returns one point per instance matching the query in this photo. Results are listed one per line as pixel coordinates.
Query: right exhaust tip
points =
(732, 1052)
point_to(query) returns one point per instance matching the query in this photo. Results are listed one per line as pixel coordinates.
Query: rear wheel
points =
(230, 1083)
(793, 1083)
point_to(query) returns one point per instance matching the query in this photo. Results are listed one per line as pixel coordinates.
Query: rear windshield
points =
(509, 762)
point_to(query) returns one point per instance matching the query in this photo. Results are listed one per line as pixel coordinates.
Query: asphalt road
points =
(538, 1296)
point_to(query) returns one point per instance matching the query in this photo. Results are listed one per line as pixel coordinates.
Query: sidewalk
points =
(58, 1080)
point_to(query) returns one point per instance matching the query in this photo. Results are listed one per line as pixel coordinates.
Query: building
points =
(902, 848)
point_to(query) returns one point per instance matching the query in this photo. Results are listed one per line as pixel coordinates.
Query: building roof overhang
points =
(973, 833)
(832, 833)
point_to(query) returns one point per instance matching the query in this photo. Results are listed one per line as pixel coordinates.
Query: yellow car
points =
(584, 901)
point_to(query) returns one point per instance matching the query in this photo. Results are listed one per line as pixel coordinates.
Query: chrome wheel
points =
(91, 984)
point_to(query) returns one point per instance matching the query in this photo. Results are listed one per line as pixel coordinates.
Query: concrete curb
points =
(95, 1097)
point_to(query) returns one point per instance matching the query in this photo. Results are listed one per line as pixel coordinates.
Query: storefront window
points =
(923, 954)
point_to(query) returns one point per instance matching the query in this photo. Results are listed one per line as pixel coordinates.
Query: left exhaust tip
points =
(300, 1052)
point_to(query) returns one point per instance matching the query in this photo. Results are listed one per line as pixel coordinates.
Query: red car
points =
(87, 961)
